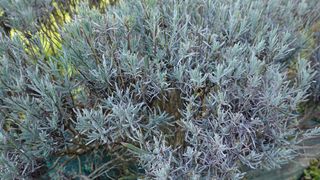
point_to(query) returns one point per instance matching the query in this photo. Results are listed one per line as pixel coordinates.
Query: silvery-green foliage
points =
(191, 89)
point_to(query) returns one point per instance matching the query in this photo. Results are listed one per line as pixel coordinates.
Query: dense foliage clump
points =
(159, 89)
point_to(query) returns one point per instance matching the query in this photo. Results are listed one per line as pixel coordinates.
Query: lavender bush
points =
(190, 89)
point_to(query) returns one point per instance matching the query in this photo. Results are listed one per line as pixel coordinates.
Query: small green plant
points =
(313, 172)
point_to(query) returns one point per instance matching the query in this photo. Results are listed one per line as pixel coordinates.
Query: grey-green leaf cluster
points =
(192, 89)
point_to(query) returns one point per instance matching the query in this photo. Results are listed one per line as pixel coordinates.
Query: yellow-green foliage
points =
(313, 172)
(48, 31)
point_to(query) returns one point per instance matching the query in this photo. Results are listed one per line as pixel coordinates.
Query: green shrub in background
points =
(42, 19)
(159, 90)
